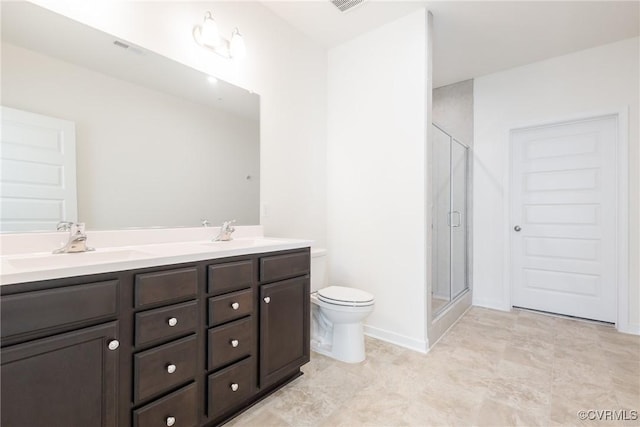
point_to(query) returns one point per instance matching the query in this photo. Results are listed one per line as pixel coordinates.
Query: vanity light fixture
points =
(208, 36)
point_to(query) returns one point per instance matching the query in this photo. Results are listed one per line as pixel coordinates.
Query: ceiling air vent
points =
(345, 5)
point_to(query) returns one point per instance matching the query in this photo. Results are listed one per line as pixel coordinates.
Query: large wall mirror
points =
(152, 143)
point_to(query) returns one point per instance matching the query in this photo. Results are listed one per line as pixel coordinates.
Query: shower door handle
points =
(451, 218)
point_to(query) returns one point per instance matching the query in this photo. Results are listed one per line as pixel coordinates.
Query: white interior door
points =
(563, 215)
(38, 171)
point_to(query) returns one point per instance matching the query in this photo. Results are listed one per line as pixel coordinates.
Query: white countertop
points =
(33, 266)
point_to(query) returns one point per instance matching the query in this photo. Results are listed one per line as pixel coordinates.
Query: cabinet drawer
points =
(230, 306)
(279, 267)
(38, 310)
(181, 405)
(230, 276)
(154, 288)
(230, 387)
(151, 367)
(166, 322)
(222, 340)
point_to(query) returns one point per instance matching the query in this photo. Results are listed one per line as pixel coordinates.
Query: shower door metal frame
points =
(467, 209)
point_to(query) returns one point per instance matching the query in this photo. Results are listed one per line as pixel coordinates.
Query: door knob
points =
(517, 228)
(234, 387)
(171, 368)
(170, 421)
(234, 343)
(267, 299)
(172, 322)
(113, 345)
(235, 305)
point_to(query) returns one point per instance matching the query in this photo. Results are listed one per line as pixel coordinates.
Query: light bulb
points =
(209, 34)
(237, 48)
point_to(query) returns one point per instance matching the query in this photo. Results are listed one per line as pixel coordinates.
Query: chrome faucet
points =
(225, 232)
(77, 238)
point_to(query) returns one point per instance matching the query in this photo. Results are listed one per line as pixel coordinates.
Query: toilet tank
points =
(318, 268)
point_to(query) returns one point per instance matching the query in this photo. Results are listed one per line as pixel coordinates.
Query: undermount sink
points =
(40, 261)
(240, 243)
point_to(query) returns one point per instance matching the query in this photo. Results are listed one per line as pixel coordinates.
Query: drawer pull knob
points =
(171, 368)
(235, 306)
(267, 299)
(113, 344)
(171, 421)
(172, 321)
(234, 343)
(234, 387)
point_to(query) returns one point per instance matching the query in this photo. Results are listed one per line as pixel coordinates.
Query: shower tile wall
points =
(453, 110)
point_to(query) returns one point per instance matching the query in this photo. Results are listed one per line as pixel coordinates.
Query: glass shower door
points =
(441, 193)
(450, 220)
(458, 221)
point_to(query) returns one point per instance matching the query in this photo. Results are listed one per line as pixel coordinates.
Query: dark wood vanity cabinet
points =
(56, 369)
(186, 345)
(41, 380)
(231, 336)
(284, 328)
(284, 315)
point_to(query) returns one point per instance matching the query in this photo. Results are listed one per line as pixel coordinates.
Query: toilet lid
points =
(341, 295)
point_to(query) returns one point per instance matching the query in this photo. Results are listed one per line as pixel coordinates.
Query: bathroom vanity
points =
(190, 343)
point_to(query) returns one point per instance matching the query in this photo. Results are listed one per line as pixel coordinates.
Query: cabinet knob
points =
(234, 343)
(267, 299)
(171, 368)
(171, 421)
(235, 306)
(172, 321)
(234, 387)
(113, 344)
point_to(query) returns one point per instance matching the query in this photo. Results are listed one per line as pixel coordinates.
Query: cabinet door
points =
(284, 328)
(65, 380)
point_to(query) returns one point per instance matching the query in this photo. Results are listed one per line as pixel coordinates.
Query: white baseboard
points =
(397, 339)
(630, 328)
(492, 304)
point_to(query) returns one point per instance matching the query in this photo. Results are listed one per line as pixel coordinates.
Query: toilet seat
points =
(344, 296)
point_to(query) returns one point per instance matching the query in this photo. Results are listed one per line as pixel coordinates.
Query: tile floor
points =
(492, 369)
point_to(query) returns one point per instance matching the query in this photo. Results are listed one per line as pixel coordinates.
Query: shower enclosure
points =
(451, 219)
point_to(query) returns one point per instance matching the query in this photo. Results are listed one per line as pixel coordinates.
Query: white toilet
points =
(337, 313)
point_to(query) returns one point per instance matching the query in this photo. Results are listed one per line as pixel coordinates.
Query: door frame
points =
(621, 116)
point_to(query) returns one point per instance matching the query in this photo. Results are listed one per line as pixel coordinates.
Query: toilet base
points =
(347, 345)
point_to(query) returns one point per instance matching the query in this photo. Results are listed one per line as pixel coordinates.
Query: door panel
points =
(72, 378)
(458, 219)
(38, 163)
(441, 189)
(284, 345)
(563, 198)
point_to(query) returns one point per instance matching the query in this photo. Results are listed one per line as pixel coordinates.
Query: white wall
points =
(129, 173)
(602, 79)
(282, 65)
(376, 174)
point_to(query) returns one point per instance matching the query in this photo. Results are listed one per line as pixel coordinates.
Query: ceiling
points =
(475, 38)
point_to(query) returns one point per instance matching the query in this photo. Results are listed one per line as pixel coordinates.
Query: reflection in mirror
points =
(157, 144)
